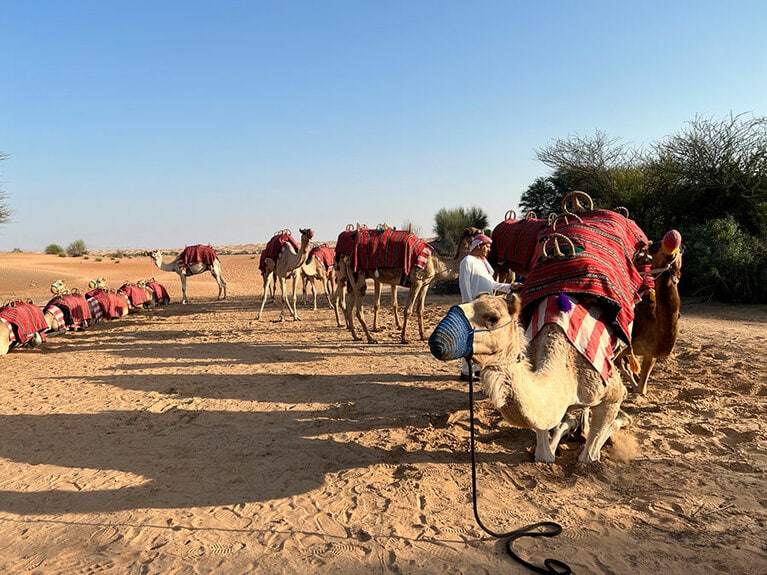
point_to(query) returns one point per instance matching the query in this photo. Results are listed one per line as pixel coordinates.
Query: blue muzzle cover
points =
(453, 337)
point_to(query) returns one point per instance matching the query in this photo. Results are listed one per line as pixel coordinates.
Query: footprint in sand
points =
(214, 549)
(231, 518)
(331, 527)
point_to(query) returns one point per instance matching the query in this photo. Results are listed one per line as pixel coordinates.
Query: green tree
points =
(76, 248)
(54, 249)
(450, 224)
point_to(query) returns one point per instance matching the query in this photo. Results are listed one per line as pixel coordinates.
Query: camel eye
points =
(493, 319)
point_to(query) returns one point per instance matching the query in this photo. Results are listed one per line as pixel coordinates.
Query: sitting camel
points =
(21, 324)
(532, 385)
(656, 316)
(191, 261)
(284, 264)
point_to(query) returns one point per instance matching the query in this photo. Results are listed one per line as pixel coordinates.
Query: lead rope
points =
(548, 528)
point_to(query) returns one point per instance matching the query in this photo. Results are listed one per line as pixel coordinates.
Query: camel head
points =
(59, 288)
(307, 233)
(667, 255)
(98, 283)
(484, 329)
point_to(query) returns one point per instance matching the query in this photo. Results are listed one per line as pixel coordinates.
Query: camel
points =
(316, 268)
(656, 316)
(420, 279)
(287, 264)
(21, 324)
(191, 261)
(535, 384)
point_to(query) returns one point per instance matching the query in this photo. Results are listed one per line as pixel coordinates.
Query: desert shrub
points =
(62, 254)
(97, 259)
(76, 248)
(725, 263)
(54, 249)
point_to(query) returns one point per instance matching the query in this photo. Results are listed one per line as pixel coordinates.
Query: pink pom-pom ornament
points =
(671, 242)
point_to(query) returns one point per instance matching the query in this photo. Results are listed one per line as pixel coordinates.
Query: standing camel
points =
(656, 316)
(285, 264)
(320, 266)
(418, 278)
(190, 262)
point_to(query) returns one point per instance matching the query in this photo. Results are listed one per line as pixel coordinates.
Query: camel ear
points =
(515, 304)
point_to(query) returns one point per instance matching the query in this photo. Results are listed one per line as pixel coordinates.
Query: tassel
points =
(564, 303)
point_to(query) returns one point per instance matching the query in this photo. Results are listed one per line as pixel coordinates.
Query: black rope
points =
(542, 529)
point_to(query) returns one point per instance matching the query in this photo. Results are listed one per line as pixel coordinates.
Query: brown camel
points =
(420, 279)
(656, 316)
(286, 265)
(532, 385)
(192, 261)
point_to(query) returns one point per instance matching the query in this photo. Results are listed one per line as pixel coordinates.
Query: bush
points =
(450, 224)
(54, 249)
(76, 249)
(725, 263)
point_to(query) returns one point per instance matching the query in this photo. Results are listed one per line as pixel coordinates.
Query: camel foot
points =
(404, 341)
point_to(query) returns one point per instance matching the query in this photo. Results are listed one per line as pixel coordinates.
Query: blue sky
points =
(161, 124)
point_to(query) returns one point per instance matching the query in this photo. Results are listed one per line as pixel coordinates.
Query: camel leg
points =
(314, 294)
(376, 304)
(605, 421)
(294, 310)
(394, 307)
(647, 364)
(409, 306)
(267, 287)
(328, 287)
(546, 442)
(183, 288)
(419, 308)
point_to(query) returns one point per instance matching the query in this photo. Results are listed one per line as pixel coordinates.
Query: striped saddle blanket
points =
(376, 249)
(77, 312)
(515, 243)
(274, 247)
(583, 327)
(102, 305)
(601, 269)
(345, 244)
(196, 255)
(24, 321)
(58, 315)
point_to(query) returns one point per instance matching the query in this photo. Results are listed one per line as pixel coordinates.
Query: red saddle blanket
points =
(515, 243)
(77, 311)
(107, 304)
(274, 247)
(159, 291)
(376, 249)
(197, 254)
(323, 253)
(606, 245)
(25, 320)
(345, 244)
(136, 295)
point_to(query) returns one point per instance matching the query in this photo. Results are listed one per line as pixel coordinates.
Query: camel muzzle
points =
(453, 337)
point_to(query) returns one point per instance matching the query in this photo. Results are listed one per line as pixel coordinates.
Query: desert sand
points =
(195, 439)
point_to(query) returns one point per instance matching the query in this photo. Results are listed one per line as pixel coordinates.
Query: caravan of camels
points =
(554, 358)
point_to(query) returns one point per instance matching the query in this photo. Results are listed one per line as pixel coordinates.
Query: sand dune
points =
(195, 439)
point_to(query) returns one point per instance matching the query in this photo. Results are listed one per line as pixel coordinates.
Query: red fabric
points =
(25, 319)
(274, 247)
(119, 303)
(197, 254)
(389, 248)
(106, 303)
(136, 295)
(345, 244)
(603, 267)
(77, 311)
(96, 310)
(323, 253)
(515, 243)
(583, 327)
(159, 291)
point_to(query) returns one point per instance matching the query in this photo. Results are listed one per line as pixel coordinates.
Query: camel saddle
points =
(389, 248)
(274, 247)
(25, 320)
